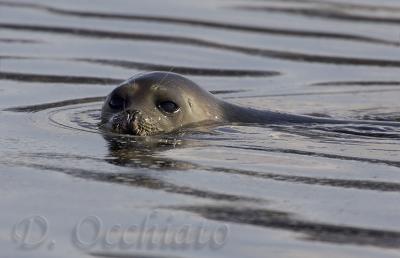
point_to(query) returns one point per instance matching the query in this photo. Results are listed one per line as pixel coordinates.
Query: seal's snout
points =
(132, 122)
(131, 115)
(125, 121)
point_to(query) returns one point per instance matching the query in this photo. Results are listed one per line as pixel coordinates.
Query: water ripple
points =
(319, 154)
(50, 78)
(313, 230)
(357, 83)
(270, 53)
(321, 13)
(185, 70)
(206, 24)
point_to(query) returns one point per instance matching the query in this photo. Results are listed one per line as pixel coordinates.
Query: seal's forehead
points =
(166, 86)
(155, 87)
(162, 82)
(168, 91)
(161, 78)
(125, 88)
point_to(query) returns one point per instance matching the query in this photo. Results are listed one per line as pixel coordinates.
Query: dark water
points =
(68, 190)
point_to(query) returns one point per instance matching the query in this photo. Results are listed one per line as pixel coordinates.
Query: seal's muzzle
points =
(125, 122)
(132, 122)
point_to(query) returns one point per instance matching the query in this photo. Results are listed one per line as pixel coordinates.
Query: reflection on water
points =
(311, 230)
(308, 190)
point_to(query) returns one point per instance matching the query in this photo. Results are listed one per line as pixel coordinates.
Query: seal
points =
(162, 102)
(158, 102)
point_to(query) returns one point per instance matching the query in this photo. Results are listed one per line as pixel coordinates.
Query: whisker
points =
(166, 75)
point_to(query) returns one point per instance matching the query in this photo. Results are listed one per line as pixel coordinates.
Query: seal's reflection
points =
(144, 152)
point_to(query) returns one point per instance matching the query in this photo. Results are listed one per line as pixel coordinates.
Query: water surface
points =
(267, 190)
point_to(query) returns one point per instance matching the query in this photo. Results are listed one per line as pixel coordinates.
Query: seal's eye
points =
(116, 102)
(168, 106)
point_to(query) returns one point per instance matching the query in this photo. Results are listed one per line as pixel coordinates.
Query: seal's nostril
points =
(131, 114)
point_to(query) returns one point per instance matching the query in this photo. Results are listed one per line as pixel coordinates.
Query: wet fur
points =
(199, 106)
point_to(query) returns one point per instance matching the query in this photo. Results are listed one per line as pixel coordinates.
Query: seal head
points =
(158, 102)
